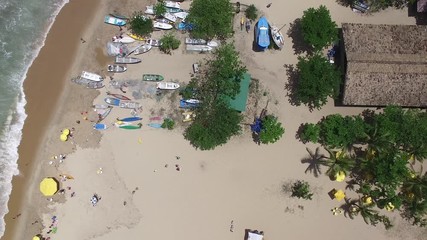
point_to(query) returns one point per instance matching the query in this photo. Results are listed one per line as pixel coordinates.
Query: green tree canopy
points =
(318, 29)
(337, 131)
(310, 133)
(271, 130)
(159, 8)
(211, 18)
(251, 12)
(318, 80)
(140, 25)
(169, 43)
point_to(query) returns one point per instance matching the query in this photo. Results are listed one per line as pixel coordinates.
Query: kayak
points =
(130, 127)
(129, 119)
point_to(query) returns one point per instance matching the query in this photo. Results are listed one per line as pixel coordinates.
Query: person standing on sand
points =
(242, 22)
(269, 5)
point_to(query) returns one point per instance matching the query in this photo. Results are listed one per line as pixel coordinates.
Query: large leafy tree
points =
(211, 18)
(337, 131)
(160, 9)
(224, 74)
(318, 80)
(214, 126)
(271, 130)
(169, 43)
(318, 29)
(216, 122)
(383, 4)
(140, 25)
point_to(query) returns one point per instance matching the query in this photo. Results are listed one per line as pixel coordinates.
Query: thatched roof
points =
(386, 64)
(422, 6)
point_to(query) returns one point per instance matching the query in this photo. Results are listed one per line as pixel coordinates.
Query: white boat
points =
(162, 20)
(199, 48)
(277, 37)
(149, 10)
(181, 15)
(192, 100)
(88, 83)
(192, 41)
(167, 85)
(116, 68)
(127, 60)
(172, 4)
(169, 16)
(164, 26)
(142, 49)
(123, 39)
(153, 42)
(130, 105)
(91, 76)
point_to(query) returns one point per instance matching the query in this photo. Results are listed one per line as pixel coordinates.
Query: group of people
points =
(246, 23)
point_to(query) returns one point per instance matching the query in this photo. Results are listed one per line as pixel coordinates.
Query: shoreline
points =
(42, 79)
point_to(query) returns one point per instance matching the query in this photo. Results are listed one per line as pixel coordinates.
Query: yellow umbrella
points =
(339, 195)
(63, 137)
(389, 207)
(49, 186)
(36, 238)
(367, 200)
(340, 176)
(66, 131)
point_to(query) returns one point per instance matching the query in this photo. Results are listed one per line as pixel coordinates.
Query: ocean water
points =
(24, 25)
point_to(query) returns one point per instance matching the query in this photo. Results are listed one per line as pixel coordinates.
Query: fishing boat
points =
(153, 42)
(155, 125)
(169, 16)
(182, 15)
(149, 10)
(118, 96)
(114, 21)
(277, 37)
(102, 111)
(131, 127)
(184, 104)
(129, 119)
(116, 15)
(121, 123)
(172, 4)
(198, 48)
(136, 37)
(112, 101)
(194, 41)
(91, 76)
(100, 126)
(116, 68)
(261, 33)
(142, 49)
(129, 105)
(123, 39)
(184, 26)
(163, 26)
(163, 20)
(173, 10)
(152, 77)
(167, 85)
(88, 83)
(127, 60)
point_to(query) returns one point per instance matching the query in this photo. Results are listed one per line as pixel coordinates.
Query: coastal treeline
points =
(382, 154)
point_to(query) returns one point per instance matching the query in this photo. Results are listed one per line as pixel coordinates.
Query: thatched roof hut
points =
(386, 64)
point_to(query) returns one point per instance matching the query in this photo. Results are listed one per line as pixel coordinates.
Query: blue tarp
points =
(257, 126)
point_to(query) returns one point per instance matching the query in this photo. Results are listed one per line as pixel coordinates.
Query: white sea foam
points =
(12, 133)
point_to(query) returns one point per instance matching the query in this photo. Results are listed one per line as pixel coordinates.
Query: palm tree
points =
(377, 141)
(416, 188)
(315, 160)
(338, 161)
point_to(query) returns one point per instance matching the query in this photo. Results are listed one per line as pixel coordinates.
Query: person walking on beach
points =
(242, 22)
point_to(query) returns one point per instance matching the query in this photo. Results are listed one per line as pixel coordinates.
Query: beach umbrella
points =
(36, 238)
(49, 186)
(339, 195)
(340, 176)
(367, 200)
(66, 131)
(389, 207)
(63, 137)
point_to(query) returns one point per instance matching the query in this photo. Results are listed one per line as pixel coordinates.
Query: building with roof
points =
(385, 65)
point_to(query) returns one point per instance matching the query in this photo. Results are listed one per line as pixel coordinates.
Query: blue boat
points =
(114, 21)
(261, 34)
(129, 119)
(184, 26)
(112, 101)
(155, 125)
(100, 126)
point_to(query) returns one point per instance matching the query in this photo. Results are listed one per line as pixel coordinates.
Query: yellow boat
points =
(136, 37)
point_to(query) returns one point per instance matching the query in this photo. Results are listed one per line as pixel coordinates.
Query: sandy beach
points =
(143, 195)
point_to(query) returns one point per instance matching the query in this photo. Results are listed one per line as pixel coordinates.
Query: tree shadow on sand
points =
(298, 42)
(292, 83)
(345, 3)
(315, 161)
